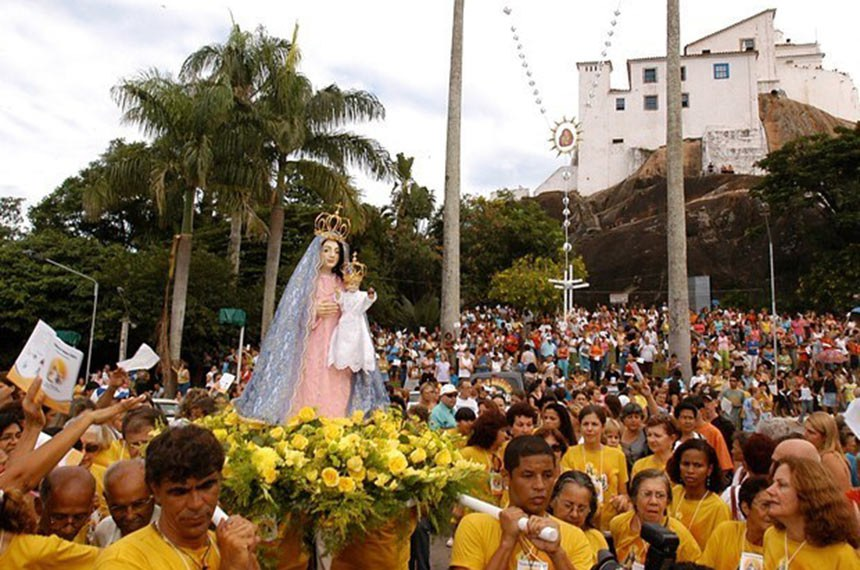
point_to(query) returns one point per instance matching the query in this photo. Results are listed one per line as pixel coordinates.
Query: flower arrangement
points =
(339, 478)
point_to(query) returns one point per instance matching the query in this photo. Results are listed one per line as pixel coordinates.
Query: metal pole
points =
(95, 307)
(772, 293)
(123, 338)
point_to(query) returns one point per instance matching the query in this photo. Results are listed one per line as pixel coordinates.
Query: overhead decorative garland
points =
(565, 132)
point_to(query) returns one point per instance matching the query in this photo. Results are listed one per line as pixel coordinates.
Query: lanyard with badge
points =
(528, 560)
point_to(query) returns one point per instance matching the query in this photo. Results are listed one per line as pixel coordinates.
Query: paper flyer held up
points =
(46, 356)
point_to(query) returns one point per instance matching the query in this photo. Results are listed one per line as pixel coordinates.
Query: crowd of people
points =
(594, 432)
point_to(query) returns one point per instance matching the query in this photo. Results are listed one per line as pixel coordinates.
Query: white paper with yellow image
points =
(47, 357)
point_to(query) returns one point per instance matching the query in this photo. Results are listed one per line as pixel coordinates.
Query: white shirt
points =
(107, 532)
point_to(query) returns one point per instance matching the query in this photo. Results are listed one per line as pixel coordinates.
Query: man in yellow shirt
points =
(67, 496)
(183, 471)
(482, 543)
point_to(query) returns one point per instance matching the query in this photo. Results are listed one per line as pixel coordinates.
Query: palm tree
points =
(183, 118)
(676, 223)
(306, 146)
(290, 131)
(410, 202)
(451, 209)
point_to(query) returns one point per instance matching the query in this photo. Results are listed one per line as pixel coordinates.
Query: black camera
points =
(662, 549)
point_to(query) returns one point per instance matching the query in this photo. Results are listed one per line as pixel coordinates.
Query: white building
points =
(722, 75)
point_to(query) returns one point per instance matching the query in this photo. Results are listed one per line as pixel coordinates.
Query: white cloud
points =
(59, 59)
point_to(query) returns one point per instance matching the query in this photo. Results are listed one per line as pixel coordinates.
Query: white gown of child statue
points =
(351, 345)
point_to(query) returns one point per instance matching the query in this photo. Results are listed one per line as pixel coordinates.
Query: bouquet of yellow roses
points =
(339, 478)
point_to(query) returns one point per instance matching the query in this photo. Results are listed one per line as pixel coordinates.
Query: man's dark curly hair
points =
(181, 453)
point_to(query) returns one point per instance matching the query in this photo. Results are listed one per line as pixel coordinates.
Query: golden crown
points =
(332, 226)
(354, 271)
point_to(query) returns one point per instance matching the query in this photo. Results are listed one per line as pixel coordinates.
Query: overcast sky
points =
(59, 59)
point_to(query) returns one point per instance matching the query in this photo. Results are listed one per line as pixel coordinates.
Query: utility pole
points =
(676, 223)
(450, 311)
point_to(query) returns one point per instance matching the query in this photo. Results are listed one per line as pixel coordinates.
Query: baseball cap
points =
(448, 389)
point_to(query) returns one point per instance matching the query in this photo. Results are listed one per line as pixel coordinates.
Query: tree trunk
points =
(676, 223)
(451, 211)
(180, 284)
(235, 246)
(273, 252)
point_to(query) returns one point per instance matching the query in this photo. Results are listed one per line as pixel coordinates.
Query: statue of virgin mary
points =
(292, 370)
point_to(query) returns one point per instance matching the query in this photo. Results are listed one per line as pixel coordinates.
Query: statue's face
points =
(329, 254)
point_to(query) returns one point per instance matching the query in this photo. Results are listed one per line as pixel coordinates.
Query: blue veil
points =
(269, 394)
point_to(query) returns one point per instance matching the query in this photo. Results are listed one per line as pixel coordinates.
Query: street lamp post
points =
(766, 214)
(34, 255)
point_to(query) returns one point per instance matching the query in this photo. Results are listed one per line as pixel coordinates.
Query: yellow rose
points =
(311, 475)
(299, 441)
(346, 485)
(418, 455)
(332, 432)
(358, 475)
(265, 460)
(277, 432)
(397, 462)
(220, 434)
(307, 414)
(330, 477)
(443, 458)
(231, 419)
(358, 416)
(354, 463)
(382, 479)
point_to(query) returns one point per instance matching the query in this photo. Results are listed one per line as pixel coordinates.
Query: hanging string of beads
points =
(604, 54)
(529, 74)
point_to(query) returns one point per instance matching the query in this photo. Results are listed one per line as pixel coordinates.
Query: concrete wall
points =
(738, 148)
(760, 28)
(830, 91)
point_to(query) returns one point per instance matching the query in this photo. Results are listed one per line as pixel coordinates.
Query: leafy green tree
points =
(525, 284)
(822, 173)
(494, 233)
(411, 203)
(11, 220)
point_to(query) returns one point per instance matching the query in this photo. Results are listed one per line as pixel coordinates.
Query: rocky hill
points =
(621, 231)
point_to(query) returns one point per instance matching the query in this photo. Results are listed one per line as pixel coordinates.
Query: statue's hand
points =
(326, 308)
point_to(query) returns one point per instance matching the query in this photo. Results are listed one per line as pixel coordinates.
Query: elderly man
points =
(442, 416)
(67, 496)
(183, 472)
(129, 501)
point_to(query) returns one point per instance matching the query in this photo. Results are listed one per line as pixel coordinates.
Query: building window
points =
(650, 102)
(721, 71)
(748, 44)
(683, 73)
(619, 104)
(685, 100)
(617, 141)
(706, 51)
(649, 75)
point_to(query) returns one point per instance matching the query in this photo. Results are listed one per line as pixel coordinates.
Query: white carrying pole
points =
(239, 355)
(548, 533)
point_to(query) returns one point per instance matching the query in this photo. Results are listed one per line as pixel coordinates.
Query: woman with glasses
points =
(651, 493)
(574, 500)
(737, 544)
(814, 524)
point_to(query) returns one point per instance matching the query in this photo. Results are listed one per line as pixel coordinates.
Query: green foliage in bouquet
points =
(339, 478)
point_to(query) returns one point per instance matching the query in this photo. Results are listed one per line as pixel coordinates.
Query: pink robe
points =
(323, 386)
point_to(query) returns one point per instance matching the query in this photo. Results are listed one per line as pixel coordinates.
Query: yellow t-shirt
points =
(700, 516)
(478, 537)
(491, 482)
(727, 543)
(834, 557)
(596, 540)
(98, 473)
(146, 549)
(26, 551)
(629, 546)
(607, 468)
(116, 451)
(387, 548)
(649, 462)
